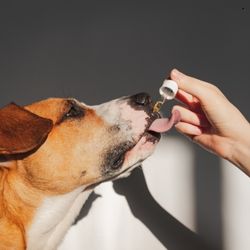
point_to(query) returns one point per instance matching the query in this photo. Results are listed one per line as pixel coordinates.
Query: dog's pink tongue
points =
(164, 124)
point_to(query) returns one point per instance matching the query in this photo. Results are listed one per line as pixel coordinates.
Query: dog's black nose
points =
(142, 99)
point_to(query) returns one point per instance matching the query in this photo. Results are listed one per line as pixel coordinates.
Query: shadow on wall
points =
(208, 197)
(168, 230)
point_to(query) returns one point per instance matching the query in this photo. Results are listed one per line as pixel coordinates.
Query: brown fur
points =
(20, 130)
(35, 170)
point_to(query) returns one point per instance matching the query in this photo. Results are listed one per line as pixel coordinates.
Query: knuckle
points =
(213, 87)
(216, 89)
(177, 107)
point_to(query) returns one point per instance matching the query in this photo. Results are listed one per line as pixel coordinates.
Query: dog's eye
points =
(74, 110)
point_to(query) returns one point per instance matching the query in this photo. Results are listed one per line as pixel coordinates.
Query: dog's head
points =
(60, 144)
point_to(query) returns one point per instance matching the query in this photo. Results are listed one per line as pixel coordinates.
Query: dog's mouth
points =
(152, 134)
(157, 124)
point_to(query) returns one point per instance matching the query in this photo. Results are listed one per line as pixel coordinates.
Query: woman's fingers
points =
(200, 89)
(191, 117)
(185, 97)
(189, 100)
(188, 129)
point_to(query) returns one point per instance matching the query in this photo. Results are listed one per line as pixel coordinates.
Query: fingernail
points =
(197, 131)
(177, 125)
(177, 73)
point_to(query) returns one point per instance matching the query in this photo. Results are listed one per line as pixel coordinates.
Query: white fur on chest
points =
(53, 218)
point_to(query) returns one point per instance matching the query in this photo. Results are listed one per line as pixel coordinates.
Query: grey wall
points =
(99, 50)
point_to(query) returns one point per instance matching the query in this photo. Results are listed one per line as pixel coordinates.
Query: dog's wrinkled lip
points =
(152, 117)
(117, 154)
(150, 136)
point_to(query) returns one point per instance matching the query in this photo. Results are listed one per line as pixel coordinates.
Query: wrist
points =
(241, 153)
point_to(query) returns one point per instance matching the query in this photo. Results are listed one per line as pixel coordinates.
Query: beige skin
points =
(210, 120)
(62, 154)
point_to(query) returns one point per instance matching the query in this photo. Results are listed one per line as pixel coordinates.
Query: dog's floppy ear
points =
(21, 130)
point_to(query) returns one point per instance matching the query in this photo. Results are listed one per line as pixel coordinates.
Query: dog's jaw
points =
(132, 122)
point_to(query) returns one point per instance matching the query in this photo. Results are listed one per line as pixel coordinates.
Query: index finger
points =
(191, 85)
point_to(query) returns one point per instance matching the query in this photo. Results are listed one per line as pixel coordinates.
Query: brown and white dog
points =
(54, 152)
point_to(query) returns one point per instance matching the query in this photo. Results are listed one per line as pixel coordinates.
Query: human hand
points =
(210, 120)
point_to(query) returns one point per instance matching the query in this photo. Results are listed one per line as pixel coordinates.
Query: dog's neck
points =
(18, 202)
(39, 222)
(53, 218)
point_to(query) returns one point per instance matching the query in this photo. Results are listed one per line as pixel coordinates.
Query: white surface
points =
(236, 208)
(54, 218)
(169, 173)
(110, 225)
